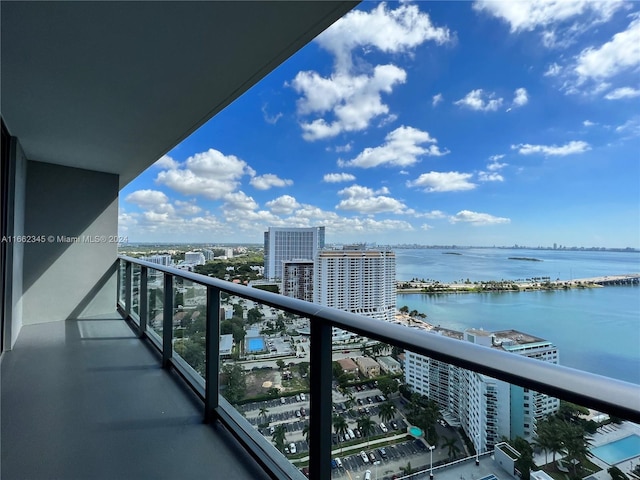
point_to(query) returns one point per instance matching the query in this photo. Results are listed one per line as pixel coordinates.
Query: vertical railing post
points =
(167, 321)
(118, 280)
(143, 299)
(128, 287)
(212, 354)
(321, 400)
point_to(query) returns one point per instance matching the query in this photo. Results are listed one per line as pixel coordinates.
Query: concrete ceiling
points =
(112, 86)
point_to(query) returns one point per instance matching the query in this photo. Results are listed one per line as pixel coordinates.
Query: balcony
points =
(78, 394)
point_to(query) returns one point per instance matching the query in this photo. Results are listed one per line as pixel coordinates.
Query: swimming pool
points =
(255, 344)
(618, 451)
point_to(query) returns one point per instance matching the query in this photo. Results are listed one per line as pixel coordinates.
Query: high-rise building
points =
(297, 279)
(487, 409)
(357, 280)
(281, 244)
(194, 258)
(165, 260)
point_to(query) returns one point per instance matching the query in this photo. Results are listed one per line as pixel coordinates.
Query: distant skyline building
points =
(487, 409)
(194, 258)
(164, 260)
(282, 244)
(357, 280)
(297, 279)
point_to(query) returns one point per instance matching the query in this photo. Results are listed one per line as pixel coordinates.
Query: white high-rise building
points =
(487, 409)
(282, 244)
(164, 259)
(194, 258)
(357, 280)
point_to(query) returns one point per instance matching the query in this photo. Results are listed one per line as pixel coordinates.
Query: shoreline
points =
(435, 287)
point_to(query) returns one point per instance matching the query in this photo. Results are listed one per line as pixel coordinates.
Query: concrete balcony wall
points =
(72, 273)
(15, 250)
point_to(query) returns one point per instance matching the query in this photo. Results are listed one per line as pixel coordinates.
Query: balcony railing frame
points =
(617, 398)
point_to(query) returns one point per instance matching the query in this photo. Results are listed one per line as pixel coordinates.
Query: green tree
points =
(238, 311)
(524, 463)
(404, 309)
(279, 437)
(254, 315)
(235, 384)
(306, 431)
(387, 411)
(387, 385)
(280, 363)
(452, 448)
(340, 426)
(617, 474)
(365, 424)
(263, 413)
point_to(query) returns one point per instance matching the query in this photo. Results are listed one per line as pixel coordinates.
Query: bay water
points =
(595, 329)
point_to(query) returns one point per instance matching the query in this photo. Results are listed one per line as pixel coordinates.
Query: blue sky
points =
(469, 123)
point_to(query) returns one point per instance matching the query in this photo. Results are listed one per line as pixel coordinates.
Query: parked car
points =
(364, 457)
(292, 448)
(384, 428)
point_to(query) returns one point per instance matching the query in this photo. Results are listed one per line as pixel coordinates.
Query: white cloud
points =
(553, 150)
(631, 128)
(475, 101)
(490, 177)
(166, 162)
(269, 180)
(344, 148)
(402, 148)
(338, 177)
(434, 214)
(495, 158)
(443, 182)
(553, 71)
(147, 198)
(210, 174)
(588, 123)
(623, 92)
(533, 14)
(477, 219)
(271, 119)
(239, 201)
(187, 208)
(367, 201)
(425, 226)
(621, 53)
(520, 97)
(390, 31)
(284, 205)
(437, 99)
(354, 100)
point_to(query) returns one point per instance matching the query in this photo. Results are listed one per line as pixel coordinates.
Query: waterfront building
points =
(357, 280)
(486, 408)
(297, 279)
(282, 244)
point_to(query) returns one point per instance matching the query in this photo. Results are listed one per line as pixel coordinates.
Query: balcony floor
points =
(86, 399)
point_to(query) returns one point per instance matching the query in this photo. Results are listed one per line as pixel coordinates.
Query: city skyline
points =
(449, 123)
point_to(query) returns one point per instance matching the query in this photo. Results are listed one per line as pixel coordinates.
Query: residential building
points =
(389, 365)
(281, 244)
(357, 280)
(297, 279)
(348, 365)
(194, 258)
(165, 260)
(367, 366)
(486, 408)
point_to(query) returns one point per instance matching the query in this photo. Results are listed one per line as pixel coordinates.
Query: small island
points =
(451, 253)
(526, 259)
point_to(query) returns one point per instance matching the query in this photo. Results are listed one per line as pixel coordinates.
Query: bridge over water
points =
(628, 279)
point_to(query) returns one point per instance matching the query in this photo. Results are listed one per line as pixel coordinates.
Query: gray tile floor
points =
(85, 399)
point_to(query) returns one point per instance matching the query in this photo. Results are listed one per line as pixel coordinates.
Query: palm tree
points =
(365, 424)
(279, 437)
(340, 426)
(450, 443)
(306, 431)
(263, 414)
(387, 411)
(576, 444)
(544, 437)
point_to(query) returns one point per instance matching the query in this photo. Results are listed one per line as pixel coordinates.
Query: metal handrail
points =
(615, 397)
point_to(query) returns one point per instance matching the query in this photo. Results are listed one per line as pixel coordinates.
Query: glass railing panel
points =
(265, 373)
(155, 295)
(189, 323)
(369, 431)
(135, 292)
(122, 285)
